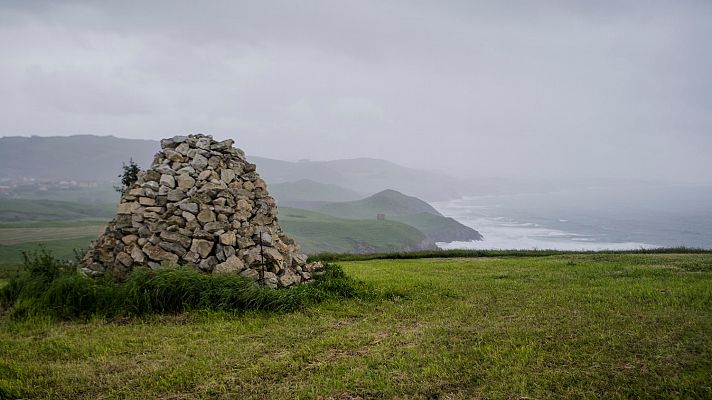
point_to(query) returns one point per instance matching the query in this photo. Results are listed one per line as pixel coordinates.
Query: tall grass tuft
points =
(48, 286)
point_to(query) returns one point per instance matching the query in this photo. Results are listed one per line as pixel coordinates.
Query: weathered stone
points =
(206, 216)
(175, 195)
(289, 278)
(202, 247)
(199, 162)
(208, 264)
(227, 175)
(168, 180)
(185, 181)
(188, 216)
(137, 255)
(270, 279)
(250, 274)
(147, 201)
(174, 248)
(124, 259)
(129, 239)
(175, 237)
(231, 264)
(228, 238)
(127, 208)
(156, 253)
(190, 207)
(183, 148)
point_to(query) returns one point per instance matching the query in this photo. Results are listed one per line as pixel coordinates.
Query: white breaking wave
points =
(503, 233)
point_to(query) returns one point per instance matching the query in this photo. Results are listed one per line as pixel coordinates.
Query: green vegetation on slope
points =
(439, 228)
(565, 326)
(12, 210)
(407, 209)
(389, 202)
(47, 286)
(317, 232)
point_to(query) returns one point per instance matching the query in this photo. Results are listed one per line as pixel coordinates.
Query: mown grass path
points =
(565, 326)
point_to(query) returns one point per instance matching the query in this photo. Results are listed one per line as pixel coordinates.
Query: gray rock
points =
(190, 207)
(231, 264)
(174, 248)
(199, 162)
(228, 238)
(185, 181)
(250, 274)
(168, 180)
(202, 247)
(208, 264)
(206, 216)
(175, 195)
(158, 254)
(289, 278)
(124, 259)
(175, 237)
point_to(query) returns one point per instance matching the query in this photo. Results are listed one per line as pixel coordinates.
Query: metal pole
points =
(262, 255)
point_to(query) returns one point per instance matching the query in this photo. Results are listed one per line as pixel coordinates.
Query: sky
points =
(548, 89)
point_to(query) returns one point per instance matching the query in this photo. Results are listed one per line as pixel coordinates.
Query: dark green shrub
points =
(51, 287)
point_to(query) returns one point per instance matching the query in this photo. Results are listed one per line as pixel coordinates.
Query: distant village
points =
(13, 187)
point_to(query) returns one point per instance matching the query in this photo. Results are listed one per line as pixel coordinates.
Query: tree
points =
(128, 177)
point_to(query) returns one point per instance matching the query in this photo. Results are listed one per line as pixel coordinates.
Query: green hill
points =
(407, 209)
(50, 210)
(389, 202)
(317, 232)
(439, 228)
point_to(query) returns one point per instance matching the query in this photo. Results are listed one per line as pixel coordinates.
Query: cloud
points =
(552, 89)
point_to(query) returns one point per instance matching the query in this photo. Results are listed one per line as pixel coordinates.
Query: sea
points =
(618, 217)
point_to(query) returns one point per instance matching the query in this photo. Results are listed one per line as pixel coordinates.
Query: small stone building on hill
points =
(201, 203)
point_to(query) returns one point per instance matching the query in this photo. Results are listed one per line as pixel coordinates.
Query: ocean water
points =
(591, 218)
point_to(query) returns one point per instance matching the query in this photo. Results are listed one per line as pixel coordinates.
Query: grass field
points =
(50, 210)
(562, 326)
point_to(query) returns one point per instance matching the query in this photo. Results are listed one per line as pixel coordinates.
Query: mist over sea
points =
(590, 218)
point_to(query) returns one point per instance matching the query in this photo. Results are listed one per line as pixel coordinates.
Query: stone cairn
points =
(202, 204)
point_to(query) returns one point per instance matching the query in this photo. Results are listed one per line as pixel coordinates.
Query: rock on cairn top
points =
(200, 203)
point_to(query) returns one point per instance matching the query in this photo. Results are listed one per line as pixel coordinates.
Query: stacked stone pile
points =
(200, 203)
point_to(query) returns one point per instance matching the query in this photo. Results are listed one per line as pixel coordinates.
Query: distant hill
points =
(12, 210)
(389, 202)
(317, 232)
(364, 175)
(99, 159)
(399, 207)
(82, 157)
(309, 190)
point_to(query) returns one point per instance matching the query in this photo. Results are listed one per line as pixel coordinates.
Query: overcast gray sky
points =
(531, 88)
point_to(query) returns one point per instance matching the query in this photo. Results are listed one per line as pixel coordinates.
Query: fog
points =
(557, 89)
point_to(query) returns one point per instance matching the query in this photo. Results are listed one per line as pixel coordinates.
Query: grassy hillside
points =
(439, 228)
(43, 210)
(565, 326)
(389, 202)
(407, 209)
(317, 233)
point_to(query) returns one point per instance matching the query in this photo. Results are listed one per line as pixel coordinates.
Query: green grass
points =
(317, 232)
(12, 210)
(63, 248)
(561, 326)
(47, 286)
